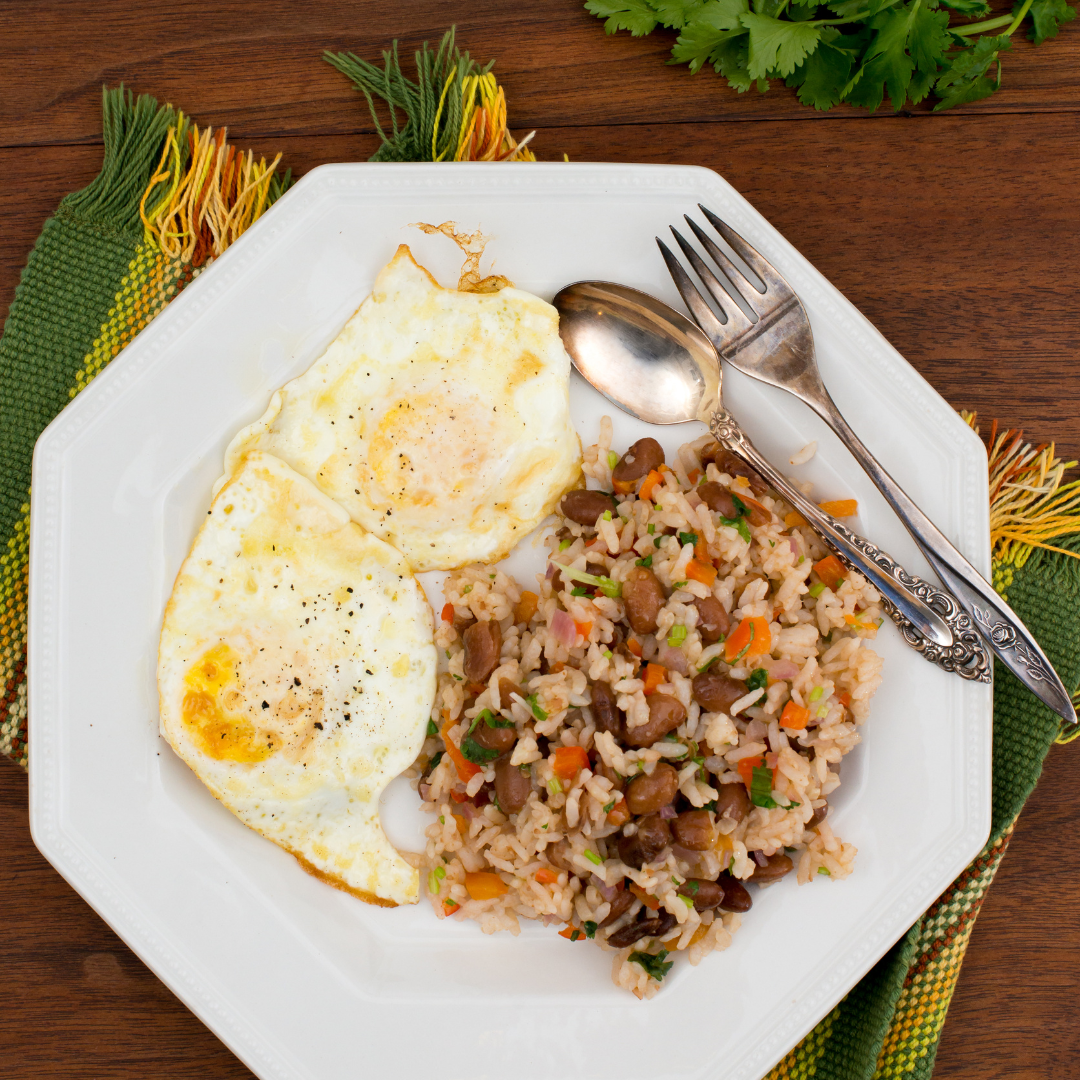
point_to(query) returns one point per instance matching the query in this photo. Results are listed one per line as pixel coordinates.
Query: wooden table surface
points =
(957, 234)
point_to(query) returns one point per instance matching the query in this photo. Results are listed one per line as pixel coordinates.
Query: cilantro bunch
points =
(855, 51)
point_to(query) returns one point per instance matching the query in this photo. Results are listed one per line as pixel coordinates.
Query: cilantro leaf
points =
(704, 40)
(966, 80)
(776, 44)
(971, 8)
(472, 751)
(1046, 18)
(637, 16)
(654, 965)
(758, 680)
(675, 14)
(822, 77)
(761, 780)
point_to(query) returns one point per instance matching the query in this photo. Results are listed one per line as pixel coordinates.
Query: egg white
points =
(440, 420)
(296, 672)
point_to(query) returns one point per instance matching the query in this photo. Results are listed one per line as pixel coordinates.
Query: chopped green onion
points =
(466, 590)
(646, 562)
(442, 820)
(607, 653)
(802, 559)
(432, 728)
(606, 515)
(432, 883)
(816, 589)
(439, 872)
(525, 770)
(484, 714)
(651, 528)
(564, 544)
(608, 807)
(687, 900)
(436, 758)
(761, 788)
(688, 538)
(579, 590)
(611, 589)
(554, 786)
(759, 679)
(824, 870)
(536, 710)
(590, 928)
(612, 459)
(657, 541)
(677, 635)
(680, 584)
(496, 721)
(816, 693)
(654, 965)
(593, 858)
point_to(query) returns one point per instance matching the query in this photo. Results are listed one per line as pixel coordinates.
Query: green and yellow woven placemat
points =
(171, 197)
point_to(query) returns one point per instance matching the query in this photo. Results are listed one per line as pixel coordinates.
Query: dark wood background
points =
(958, 235)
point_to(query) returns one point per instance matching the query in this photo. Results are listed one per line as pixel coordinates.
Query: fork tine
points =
(738, 318)
(733, 274)
(760, 266)
(702, 314)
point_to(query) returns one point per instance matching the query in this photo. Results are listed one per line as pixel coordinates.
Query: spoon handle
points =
(929, 619)
(999, 624)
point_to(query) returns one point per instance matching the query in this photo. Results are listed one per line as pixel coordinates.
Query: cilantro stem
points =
(988, 24)
(1019, 19)
(858, 17)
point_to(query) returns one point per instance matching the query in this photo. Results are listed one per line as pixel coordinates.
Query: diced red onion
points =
(784, 669)
(760, 858)
(794, 545)
(770, 760)
(716, 765)
(425, 791)
(667, 812)
(671, 656)
(468, 810)
(563, 629)
(694, 499)
(608, 892)
(550, 573)
(684, 854)
(756, 730)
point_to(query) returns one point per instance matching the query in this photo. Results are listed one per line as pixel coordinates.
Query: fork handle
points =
(907, 599)
(999, 624)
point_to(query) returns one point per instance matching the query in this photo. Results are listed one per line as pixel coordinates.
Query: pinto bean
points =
(657, 926)
(715, 692)
(506, 688)
(608, 773)
(693, 829)
(483, 643)
(665, 714)
(650, 838)
(736, 897)
(717, 498)
(733, 802)
(559, 856)
(643, 596)
(733, 465)
(619, 907)
(512, 786)
(644, 456)
(774, 869)
(500, 739)
(705, 894)
(585, 507)
(714, 623)
(645, 794)
(819, 815)
(605, 712)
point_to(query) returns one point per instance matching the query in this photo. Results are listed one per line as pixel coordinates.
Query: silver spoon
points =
(657, 365)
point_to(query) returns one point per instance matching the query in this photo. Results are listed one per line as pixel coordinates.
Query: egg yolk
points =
(219, 735)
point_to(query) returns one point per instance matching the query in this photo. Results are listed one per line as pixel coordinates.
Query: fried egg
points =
(296, 672)
(439, 419)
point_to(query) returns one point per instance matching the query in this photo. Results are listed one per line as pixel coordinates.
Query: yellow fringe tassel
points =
(483, 135)
(1029, 504)
(194, 214)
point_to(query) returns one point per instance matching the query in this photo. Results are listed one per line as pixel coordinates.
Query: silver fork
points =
(776, 346)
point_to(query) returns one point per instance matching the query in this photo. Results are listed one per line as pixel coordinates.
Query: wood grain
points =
(957, 234)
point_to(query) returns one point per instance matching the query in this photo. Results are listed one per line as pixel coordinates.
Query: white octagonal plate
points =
(301, 980)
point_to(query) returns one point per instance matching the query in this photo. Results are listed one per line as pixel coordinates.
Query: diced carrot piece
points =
(569, 761)
(592, 540)
(448, 613)
(840, 508)
(461, 823)
(483, 885)
(701, 551)
(450, 905)
(794, 518)
(546, 876)
(634, 646)
(650, 902)
(750, 638)
(703, 572)
(655, 674)
(619, 814)
(459, 796)
(466, 770)
(526, 606)
(583, 628)
(831, 571)
(794, 716)
(746, 768)
(572, 933)
(844, 699)
(722, 842)
(650, 483)
(623, 487)
(694, 475)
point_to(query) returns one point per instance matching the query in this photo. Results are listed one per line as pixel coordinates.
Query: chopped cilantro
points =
(432, 728)
(761, 788)
(646, 562)
(651, 528)
(687, 538)
(472, 751)
(739, 525)
(654, 966)
(579, 590)
(435, 759)
(608, 807)
(708, 663)
(590, 928)
(657, 541)
(536, 710)
(759, 679)
(740, 506)
(692, 887)
(679, 584)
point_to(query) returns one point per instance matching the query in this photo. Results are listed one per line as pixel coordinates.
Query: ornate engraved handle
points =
(930, 620)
